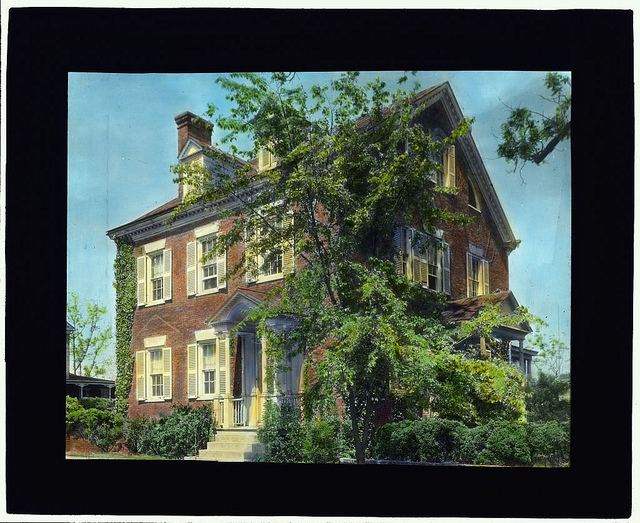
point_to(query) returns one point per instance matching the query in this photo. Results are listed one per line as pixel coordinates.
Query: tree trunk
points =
(357, 442)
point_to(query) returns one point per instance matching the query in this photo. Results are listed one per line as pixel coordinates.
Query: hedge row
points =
(181, 433)
(447, 441)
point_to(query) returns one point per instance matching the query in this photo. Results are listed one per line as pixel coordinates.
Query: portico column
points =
(521, 347)
(264, 390)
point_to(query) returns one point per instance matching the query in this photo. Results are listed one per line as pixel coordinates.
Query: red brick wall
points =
(481, 232)
(179, 318)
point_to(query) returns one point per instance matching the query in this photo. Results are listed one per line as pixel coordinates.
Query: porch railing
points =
(238, 412)
(292, 400)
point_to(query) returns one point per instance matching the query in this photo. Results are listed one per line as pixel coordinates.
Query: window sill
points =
(265, 279)
(154, 303)
(474, 208)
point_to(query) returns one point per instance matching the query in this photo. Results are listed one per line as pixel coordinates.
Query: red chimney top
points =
(194, 127)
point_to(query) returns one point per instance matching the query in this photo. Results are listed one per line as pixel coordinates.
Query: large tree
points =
(346, 165)
(90, 340)
(530, 136)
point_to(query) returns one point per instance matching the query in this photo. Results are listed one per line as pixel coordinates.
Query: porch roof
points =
(75, 379)
(468, 308)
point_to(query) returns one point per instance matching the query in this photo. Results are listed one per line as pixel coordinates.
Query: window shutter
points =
(469, 274)
(142, 278)
(166, 372)
(288, 265)
(222, 364)
(451, 166)
(263, 159)
(192, 268)
(222, 270)
(166, 283)
(446, 269)
(141, 375)
(192, 370)
(250, 258)
(485, 276)
(397, 245)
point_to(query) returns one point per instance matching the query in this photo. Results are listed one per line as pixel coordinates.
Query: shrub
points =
(281, 434)
(433, 440)
(181, 433)
(506, 445)
(105, 431)
(74, 416)
(133, 430)
(549, 442)
(325, 441)
(97, 403)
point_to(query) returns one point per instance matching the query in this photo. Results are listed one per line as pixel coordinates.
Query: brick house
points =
(187, 310)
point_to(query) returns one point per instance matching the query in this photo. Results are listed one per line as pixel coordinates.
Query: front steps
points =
(233, 445)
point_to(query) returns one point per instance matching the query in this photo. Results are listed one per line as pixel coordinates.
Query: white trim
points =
(155, 341)
(206, 230)
(206, 335)
(154, 246)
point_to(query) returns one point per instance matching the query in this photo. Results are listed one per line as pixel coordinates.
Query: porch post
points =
(521, 347)
(225, 342)
(264, 390)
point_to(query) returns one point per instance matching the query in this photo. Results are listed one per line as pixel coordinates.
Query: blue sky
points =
(122, 141)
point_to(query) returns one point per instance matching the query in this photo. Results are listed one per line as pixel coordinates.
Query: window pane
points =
(207, 356)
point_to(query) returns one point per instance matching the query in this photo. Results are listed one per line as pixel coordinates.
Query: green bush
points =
(94, 419)
(549, 442)
(133, 430)
(281, 434)
(97, 403)
(104, 430)
(325, 441)
(506, 445)
(181, 433)
(432, 440)
(288, 439)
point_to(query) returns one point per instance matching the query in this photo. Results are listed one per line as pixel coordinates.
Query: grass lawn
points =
(106, 455)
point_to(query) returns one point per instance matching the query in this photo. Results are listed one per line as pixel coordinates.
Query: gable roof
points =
(146, 225)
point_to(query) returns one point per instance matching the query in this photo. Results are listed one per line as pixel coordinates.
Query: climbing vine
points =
(124, 268)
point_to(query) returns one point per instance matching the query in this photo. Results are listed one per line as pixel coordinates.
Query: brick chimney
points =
(187, 128)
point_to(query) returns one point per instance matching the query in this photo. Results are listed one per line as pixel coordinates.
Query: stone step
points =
(227, 455)
(236, 435)
(233, 445)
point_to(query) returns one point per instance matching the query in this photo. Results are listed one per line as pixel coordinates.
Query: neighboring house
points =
(86, 386)
(187, 310)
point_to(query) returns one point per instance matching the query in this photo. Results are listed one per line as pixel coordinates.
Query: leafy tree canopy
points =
(351, 164)
(89, 342)
(530, 136)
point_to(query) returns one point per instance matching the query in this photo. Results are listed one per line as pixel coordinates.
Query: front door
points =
(247, 382)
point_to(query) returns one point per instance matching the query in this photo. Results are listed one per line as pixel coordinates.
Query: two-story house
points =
(187, 309)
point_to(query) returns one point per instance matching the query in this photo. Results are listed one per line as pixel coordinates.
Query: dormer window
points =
(266, 160)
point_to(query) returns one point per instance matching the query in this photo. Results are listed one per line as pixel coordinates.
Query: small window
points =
(205, 271)
(153, 373)
(477, 276)
(206, 361)
(154, 277)
(474, 200)
(275, 265)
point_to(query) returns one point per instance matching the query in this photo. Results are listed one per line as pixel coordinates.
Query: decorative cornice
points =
(478, 170)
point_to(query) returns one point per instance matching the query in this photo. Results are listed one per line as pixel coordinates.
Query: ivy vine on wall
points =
(124, 268)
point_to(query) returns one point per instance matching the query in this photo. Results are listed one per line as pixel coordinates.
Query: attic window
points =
(474, 200)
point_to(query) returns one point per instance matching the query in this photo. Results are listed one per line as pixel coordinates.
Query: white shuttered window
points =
(154, 277)
(153, 374)
(206, 273)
